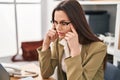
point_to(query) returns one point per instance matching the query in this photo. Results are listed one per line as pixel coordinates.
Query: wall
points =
(119, 41)
(20, 20)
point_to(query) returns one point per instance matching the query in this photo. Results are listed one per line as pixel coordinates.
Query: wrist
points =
(45, 46)
(75, 52)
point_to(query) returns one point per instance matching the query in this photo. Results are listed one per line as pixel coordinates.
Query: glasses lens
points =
(65, 23)
(62, 23)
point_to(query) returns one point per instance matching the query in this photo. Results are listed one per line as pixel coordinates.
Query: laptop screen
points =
(4, 75)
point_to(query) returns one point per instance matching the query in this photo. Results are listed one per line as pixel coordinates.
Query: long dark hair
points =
(76, 15)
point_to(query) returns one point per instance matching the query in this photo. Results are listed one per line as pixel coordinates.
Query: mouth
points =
(61, 33)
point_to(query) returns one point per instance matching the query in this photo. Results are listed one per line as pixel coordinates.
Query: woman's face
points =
(61, 23)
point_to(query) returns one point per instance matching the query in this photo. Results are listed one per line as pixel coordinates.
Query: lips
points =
(61, 33)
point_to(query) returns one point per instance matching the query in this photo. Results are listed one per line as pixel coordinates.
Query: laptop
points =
(4, 75)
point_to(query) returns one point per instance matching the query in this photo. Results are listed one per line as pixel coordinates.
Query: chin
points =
(61, 37)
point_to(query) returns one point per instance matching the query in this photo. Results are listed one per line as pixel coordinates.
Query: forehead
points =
(60, 15)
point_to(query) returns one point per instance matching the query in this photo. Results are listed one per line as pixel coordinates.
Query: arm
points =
(47, 64)
(77, 71)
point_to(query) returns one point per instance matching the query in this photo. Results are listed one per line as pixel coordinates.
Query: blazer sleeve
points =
(77, 71)
(47, 64)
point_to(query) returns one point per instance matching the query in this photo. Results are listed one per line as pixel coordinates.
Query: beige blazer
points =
(87, 66)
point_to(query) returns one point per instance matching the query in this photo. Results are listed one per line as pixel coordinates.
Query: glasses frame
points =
(61, 23)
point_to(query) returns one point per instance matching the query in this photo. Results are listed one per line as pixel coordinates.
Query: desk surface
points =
(29, 65)
(32, 67)
(34, 79)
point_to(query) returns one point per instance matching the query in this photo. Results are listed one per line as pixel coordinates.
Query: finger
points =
(66, 38)
(52, 34)
(52, 30)
(70, 34)
(53, 27)
(73, 29)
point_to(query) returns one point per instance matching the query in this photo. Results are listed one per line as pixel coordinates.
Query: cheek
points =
(68, 30)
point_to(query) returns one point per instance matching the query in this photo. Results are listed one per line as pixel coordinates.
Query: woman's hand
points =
(50, 37)
(73, 42)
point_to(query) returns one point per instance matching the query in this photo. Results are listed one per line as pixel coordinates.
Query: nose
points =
(59, 27)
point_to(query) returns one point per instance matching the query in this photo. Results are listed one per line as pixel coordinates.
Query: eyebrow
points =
(63, 21)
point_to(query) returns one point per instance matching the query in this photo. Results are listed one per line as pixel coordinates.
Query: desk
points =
(35, 79)
(34, 65)
(35, 68)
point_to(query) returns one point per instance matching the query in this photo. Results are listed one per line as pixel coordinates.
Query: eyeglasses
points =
(62, 23)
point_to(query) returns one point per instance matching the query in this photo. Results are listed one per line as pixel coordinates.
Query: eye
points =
(65, 23)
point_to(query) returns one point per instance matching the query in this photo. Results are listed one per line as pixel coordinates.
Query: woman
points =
(71, 46)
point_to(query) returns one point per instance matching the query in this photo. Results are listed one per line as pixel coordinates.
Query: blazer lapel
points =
(60, 51)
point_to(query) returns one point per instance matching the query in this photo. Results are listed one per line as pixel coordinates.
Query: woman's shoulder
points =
(96, 46)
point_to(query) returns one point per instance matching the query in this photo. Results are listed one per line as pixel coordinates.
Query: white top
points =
(66, 53)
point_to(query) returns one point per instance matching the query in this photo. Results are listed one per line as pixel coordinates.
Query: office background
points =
(29, 20)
